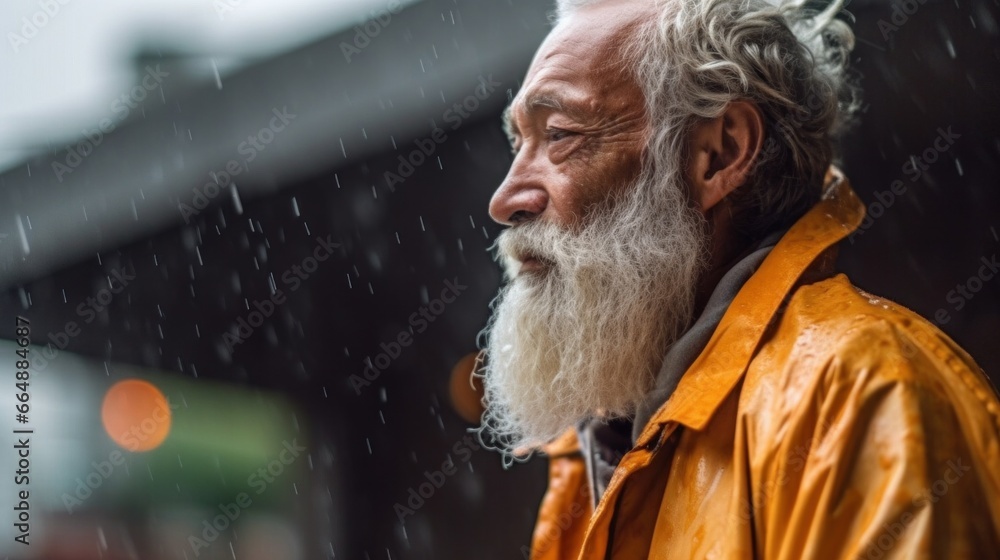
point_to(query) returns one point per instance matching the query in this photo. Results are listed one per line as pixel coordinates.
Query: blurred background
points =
(237, 214)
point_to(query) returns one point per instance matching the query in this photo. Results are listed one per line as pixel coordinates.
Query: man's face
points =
(603, 254)
(578, 124)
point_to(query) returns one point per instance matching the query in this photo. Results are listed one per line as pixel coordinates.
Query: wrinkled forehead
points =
(580, 67)
(592, 40)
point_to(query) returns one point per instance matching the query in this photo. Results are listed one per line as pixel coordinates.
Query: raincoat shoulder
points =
(820, 421)
(868, 433)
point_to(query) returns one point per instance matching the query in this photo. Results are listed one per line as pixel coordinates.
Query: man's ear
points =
(722, 152)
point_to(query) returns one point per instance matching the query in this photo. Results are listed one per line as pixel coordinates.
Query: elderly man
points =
(673, 334)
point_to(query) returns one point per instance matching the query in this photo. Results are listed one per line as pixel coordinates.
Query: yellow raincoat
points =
(819, 422)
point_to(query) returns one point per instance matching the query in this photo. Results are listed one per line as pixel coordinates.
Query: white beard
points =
(586, 335)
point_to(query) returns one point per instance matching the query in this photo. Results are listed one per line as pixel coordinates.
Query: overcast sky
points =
(77, 62)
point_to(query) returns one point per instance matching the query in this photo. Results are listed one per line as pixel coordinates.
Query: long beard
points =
(586, 335)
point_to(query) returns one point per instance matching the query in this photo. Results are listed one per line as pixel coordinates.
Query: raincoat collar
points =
(725, 358)
(682, 353)
(604, 442)
(723, 361)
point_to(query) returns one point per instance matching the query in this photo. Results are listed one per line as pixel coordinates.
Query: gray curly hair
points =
(791, 60)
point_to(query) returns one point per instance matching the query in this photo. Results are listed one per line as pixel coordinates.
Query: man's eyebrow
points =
(508, 123)
(540, 99)
(532, 102)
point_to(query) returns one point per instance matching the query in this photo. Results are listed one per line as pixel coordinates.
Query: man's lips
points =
(532, 264)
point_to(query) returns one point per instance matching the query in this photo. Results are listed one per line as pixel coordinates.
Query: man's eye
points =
(557, 134)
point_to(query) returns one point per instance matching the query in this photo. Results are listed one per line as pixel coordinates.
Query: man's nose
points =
(521, 196)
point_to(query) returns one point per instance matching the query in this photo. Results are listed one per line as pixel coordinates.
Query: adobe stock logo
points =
(426, 147)
(914, 168)
(964, 292)
(293, 278)
(372, 28)
(418, 321)
(901, 12)
(120, 108)
(417, 496)
(249, 148)
(30, 27)
(230, 512)
(892, 532)
(88, 485)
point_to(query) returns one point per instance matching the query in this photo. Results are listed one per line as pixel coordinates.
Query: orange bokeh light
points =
(136, 415)
(466, 390)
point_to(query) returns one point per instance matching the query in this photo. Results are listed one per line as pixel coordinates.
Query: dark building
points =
(281, 230)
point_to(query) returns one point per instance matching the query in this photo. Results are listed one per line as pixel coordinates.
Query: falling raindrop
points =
(23, 235)
(237, 203)
(215, 71)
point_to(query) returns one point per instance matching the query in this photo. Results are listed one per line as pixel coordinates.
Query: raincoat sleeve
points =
(886, 448)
